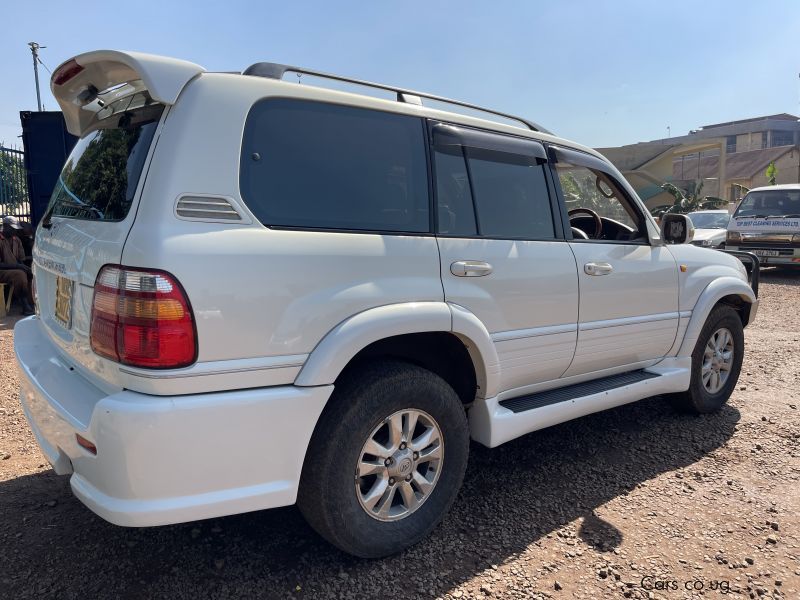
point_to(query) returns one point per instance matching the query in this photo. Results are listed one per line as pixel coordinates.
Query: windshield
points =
(100, 176)
(770, 203)
(710, 220)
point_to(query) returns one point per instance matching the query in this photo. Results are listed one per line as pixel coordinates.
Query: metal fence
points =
(14, 198)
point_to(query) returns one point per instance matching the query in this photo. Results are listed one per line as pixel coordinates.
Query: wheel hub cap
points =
(399, 465)
(717, 360)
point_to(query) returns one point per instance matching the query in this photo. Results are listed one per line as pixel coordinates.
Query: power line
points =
(44, 65)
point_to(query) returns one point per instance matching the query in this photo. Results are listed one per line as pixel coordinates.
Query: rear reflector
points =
(142, 318)
(84, 443)
(66, 72)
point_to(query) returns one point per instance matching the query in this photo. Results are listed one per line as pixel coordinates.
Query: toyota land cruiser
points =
(335, 292)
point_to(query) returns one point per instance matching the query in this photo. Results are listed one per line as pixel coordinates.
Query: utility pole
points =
(35, 51)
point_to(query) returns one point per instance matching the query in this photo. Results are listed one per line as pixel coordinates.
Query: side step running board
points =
(577, 390)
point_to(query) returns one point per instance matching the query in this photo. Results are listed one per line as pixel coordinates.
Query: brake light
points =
(142, 318)
(66, 72)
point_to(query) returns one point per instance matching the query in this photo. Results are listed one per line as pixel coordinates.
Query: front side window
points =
(313, 165)
(598, 210)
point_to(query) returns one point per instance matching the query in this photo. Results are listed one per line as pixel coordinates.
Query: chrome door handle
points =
(597, 268)
(470, 268)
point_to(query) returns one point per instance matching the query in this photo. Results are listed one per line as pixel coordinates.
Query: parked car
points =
(710, 227)
(252, 293)
(767, 223)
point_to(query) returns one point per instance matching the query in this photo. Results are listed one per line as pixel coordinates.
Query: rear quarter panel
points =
(262, 298)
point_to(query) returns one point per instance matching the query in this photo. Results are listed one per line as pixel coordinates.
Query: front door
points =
(628, 312)
(503, 255)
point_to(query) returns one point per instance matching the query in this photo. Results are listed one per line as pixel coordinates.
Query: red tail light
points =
(66, 72)
(142, 318)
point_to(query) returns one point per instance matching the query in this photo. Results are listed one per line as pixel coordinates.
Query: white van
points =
(252, 293)
(767, 223)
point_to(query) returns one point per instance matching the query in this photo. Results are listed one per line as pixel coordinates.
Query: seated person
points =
(12, 269)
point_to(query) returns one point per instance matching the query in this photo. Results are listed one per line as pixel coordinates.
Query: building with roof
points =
(724, 156)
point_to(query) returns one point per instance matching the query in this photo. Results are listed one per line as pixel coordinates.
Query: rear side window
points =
(454, 199)
(509, 191)
(511, 196)
(314, 165)
(100, 176)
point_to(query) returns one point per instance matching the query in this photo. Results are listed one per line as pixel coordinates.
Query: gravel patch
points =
(636, 502)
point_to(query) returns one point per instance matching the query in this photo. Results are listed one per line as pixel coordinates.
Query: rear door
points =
(503, 255)
(88, 219)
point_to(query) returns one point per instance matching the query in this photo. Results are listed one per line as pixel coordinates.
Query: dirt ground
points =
(635, 502)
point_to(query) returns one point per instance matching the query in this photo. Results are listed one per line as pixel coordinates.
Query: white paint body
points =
(280, 313)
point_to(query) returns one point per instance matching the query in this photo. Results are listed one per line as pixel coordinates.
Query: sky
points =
(603, 73)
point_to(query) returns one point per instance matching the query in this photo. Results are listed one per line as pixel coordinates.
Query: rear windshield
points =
(770, 203)
(101, 174)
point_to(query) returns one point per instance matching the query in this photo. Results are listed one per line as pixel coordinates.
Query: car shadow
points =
(789, 276)
(513, 496)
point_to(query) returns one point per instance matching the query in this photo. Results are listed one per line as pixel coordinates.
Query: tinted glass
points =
(308, 164)
(100, 176)
(453, 196)
(511, 196)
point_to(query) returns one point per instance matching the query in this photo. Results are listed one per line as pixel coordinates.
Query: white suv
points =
(252, 293)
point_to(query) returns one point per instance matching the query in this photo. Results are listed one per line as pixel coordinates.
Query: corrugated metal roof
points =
(778, 117)
(740, 165)
(633, 156)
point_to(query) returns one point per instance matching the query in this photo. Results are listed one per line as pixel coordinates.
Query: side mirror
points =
(676, 229)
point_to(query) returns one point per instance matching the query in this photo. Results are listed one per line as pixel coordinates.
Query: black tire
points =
(697, 399)
(362, 400)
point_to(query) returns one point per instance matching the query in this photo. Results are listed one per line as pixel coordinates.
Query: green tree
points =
(771, 172)
(688, 201)
(13, 184)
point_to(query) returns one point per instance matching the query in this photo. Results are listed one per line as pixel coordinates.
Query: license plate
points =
(63, 312)
(766, 252)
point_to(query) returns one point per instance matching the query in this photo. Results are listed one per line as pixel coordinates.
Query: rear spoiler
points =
(77, 82)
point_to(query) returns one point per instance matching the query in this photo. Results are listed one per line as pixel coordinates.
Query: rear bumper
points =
(165, 459)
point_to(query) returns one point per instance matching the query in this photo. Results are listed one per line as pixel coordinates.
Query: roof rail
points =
(277, 71)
